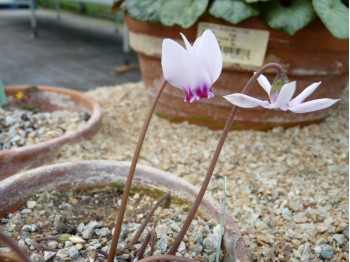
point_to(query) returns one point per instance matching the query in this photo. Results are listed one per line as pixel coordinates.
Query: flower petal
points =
(245, 101)
(175, 64)
(208, 51)
(285, 95)
(264, 83)
(313, 105)
(187, 44)
(303, 95)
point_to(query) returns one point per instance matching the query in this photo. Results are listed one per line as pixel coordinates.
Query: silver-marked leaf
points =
(233, 11)
(182, 12)
(335, 15)
(145, 10)
(289, 18)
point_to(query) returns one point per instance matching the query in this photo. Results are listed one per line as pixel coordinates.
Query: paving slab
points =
(77, 51)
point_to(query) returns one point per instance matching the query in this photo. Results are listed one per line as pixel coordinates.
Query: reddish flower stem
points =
(151, 237)
(209, 174)
(148, 218)
(5, 239)
(128, 183)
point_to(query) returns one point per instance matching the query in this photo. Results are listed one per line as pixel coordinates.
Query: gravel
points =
(93, 215)
(287, 188)
(23, 127)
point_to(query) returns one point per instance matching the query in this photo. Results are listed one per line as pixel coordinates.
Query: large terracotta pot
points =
(50, 98)
(15, 189)
(311, 55)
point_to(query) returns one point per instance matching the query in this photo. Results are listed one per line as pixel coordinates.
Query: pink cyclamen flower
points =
(282, 99)
(194, 69)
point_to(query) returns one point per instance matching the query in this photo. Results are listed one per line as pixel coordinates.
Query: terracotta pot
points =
(53, 98)
(311, 55)
(15, 189)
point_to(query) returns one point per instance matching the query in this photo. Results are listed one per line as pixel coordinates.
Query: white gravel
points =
(288, 188)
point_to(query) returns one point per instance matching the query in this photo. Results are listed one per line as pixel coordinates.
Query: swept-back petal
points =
(313, 105)
(175, 64)
(264, 83)
(245, 101)
(303, 95)
(285, 95)
(208, 51)
(187, 44)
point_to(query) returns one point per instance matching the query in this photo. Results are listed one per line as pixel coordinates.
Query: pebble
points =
(31, 204)
(340, 238)
(102, 232)
(162, 244)
(52, 244)
(30, 228)
(48, 255)
(325, 251)
(346, 232)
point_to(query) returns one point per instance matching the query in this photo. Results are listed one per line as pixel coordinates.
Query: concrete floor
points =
(78, 52)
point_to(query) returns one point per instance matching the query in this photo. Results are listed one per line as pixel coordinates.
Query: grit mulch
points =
(288, 188)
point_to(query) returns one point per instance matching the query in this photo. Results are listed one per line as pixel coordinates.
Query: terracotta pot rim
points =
(85, 129)
(17, 188)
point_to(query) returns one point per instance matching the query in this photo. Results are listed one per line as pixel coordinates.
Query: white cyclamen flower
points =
(282, 99)
(194, 69)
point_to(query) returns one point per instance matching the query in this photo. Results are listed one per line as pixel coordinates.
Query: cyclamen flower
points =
(282, 99)
(194, 69)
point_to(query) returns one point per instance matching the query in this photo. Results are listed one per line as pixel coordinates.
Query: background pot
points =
(52, 98)
(311, 55)
(15, 189)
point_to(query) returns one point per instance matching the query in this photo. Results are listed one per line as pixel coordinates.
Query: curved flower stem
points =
(128, 183)
(168, 258)
(148, 218)
(12, 244)
(209, 174)
(150, 238)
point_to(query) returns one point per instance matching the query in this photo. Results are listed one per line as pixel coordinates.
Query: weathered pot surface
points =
(311, 55)
(15, 189)
(54, 98)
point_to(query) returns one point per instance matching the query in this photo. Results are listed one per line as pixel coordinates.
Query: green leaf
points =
(182, 12)
(335, 15)
(289, 18)
(233, 11)
(3, 97)
(144, 10)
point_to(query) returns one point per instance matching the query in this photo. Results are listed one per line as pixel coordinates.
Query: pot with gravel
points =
(78, 216)
(37, 120)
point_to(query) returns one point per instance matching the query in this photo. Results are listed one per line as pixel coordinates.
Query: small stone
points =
(300, 218)
(306, 254)
(68, 244)
(36, 258)
(340, 238)
(26, 211)
(48, 255)
(102, 232)
(80, 228)
(73, 253)
(325, 251)
(162, 230)
(52, 244)
(29, 228)
(76, 240)
(268, 252)
(162, 244)
(286, 214)
(21, 243)
(62, 253)
(65, 206)
(182, 247)
(346, 232)
(31, 204)
(196, 249)
(78, 246)
(209, 243)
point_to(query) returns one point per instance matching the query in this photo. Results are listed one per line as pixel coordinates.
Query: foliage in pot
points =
(287, 15)
(305, 57)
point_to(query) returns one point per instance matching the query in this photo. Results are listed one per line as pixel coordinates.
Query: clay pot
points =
(15, 189)
(50, 98)
(311, 55)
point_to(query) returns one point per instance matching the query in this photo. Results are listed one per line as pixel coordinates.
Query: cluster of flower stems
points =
(151, 236)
